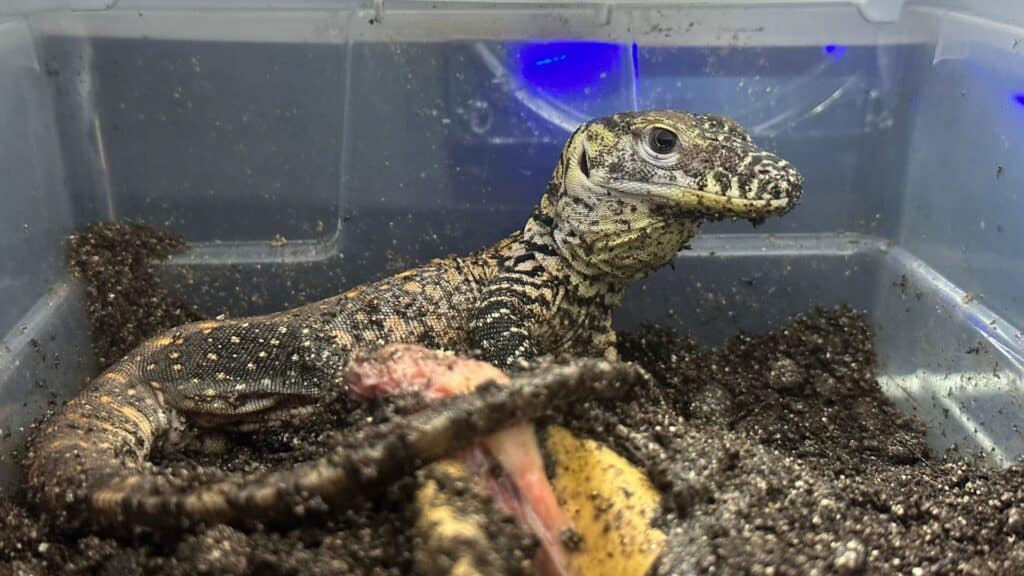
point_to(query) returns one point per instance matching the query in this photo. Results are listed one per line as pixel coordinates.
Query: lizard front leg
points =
(603, 340)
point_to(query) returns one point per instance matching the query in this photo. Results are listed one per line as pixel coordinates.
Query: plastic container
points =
(376, 135)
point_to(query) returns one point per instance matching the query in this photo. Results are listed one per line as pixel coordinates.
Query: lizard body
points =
(627, 193)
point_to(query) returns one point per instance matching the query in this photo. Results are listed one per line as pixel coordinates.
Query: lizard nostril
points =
(776, 189)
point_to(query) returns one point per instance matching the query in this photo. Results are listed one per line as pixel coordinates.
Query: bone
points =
(436, 375)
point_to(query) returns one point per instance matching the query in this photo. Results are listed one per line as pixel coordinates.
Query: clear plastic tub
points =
(375, 135)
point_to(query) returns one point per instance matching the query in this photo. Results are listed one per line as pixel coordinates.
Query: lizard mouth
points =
(720, 205)
(708, 204)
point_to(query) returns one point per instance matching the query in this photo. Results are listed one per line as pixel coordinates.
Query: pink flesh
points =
(408, 368)
(517, 451)
(524, 491)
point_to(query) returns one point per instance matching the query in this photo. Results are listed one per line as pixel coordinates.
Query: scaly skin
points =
(628, 192)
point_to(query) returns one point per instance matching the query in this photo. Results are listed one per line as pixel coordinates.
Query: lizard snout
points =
(764, 185)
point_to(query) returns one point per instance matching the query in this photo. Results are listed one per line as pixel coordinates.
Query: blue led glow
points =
(835, 51)
(1019, 98)
(568, 66)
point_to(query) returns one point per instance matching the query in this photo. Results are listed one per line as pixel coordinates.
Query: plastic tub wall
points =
(373, 138)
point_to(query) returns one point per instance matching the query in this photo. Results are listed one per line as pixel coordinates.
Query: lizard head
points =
(631, 189)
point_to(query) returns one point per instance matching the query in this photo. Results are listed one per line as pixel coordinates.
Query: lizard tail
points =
(104, 433)
(356, 466)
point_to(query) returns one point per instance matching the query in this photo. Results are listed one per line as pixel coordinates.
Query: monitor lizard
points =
(628, 192)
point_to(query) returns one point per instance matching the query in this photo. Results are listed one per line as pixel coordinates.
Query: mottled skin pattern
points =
(628, 192)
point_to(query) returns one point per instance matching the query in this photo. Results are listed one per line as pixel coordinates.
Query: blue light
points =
(835, 51)
(1019, 98)
(568, 66)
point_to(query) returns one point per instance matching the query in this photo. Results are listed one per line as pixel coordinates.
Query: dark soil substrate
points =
(798, 463)
(124, 301)
(782, 454)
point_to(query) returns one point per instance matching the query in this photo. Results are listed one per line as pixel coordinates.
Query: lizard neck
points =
(539, 238)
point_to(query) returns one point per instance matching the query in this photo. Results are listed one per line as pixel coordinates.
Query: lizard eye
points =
(660, 145)
(662, 140)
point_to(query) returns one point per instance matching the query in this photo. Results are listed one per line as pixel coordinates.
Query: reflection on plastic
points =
(566, 82)
(835, 51)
